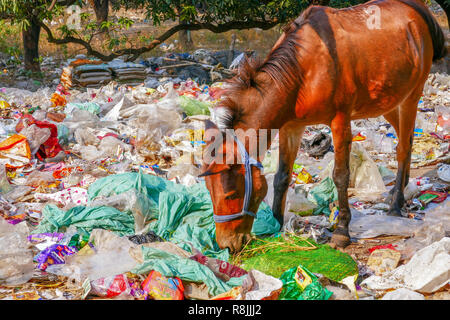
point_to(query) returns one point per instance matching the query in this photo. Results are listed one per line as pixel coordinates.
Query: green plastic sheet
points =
(322, 195)
(192, 106)
(292, 291)
(92, 107)
(185, 213)
(85, 219)
(184, 216)
(171, 265)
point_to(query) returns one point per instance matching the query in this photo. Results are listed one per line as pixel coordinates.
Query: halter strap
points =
(248, 163)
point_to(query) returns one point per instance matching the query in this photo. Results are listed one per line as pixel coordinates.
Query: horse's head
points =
(236, 189)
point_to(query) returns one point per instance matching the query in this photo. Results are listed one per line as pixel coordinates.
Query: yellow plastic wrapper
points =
(302, 278)
(334, 217)
(58, 100)
(229, 295)
(4, 104)
(16, 150)
(303, 176)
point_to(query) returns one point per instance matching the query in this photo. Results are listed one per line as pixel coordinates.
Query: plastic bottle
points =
(411, 190)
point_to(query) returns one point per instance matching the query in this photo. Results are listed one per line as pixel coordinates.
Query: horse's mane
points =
(281, 65)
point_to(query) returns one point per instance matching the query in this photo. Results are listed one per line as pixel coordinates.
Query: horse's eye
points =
(231, 195)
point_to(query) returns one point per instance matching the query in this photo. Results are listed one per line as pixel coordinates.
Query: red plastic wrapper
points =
(110, 286)
(387, 246)
(49, 148)
(222, 269)
(159, 287)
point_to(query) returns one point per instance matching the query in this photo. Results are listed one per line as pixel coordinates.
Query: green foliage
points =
(9, 42)
(217, 11)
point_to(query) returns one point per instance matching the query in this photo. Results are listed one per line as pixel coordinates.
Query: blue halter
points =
(248, 163)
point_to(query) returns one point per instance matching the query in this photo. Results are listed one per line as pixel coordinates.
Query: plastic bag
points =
(369, 226)
(259, 286)
(383, 260)
(5, 186)
(193, 106)
(40, 178)
(300, 284)
(67, 198)
(300, 205)
(159, 287)
(110, 146)
(142, 207)
(53, 254)
(424, 236)
(17, 192)
(182, 170)
(222, 269)
(16, 258)
(444, 172)
(85, 137)
(90, 153)
(15, 151)
(403, 294)
(35, 136)
(110, 286)
(365, 175)
(427, 271)
(99, 260)
(322, 195)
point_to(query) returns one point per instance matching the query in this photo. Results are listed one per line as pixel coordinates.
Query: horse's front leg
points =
(290, 136)
(342, 140)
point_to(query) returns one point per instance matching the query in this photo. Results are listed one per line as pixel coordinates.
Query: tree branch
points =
(52, 5)
(136, 52)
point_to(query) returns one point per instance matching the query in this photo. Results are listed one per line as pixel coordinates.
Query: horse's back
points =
(377, 54)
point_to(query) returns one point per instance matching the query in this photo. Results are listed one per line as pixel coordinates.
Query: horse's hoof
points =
(339, 241)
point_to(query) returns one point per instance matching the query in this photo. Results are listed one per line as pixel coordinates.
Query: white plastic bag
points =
(403, 294)
(427, 271)
(16, 258)
(369, 226)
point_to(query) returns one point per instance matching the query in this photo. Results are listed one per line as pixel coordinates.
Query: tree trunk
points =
(30, 39)
(185, 38)
(101, 9)
(445, 5)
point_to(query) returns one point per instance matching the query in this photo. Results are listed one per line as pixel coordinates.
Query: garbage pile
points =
(90, 176)
(203, 67)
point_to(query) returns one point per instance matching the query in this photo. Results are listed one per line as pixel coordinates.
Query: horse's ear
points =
(224, 117)
(210, 125)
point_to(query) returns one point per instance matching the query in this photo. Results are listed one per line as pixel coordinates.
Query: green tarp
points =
(322, 195)
(85, 219)
(184, 217)
(184, 214)
(171, 265)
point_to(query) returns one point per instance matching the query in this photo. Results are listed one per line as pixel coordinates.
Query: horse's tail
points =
(437, 35)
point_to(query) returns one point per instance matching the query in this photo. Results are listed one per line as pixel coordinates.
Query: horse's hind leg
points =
(393, 118)
(342, 140)
(406, 121)
(290, 136)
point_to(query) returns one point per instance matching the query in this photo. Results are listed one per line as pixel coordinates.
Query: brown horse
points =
(329, 67)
